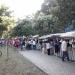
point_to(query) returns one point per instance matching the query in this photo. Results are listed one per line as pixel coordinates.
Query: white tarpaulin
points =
(68, 34)
(50, 35)
(45, 36)
(35, 36)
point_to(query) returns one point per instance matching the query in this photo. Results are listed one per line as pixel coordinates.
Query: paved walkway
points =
(52, 65)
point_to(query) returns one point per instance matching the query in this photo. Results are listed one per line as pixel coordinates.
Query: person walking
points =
(48, 47)
(64, 50)
(43, 47)
(34, 44)
(23, 44)
(57, 47)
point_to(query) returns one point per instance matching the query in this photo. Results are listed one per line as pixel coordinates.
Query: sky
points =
(23, 8)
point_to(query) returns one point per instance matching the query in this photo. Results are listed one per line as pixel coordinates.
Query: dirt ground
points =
(16, 64)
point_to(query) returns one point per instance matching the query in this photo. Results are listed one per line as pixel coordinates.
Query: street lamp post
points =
(7, 45)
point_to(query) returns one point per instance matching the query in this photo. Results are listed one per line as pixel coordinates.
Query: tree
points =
(24, 27)
(46, 21)
(45, 24)
(66, 12)
(50, 7)
(5, 19)
(47, 6)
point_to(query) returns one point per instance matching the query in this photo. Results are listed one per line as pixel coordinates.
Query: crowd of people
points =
(23, 43)
(58, 47)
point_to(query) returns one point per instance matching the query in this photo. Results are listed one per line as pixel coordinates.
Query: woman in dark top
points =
(57, 47)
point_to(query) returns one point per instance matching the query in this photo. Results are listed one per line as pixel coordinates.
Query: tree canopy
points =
(5, 19)
(55, 16)
(24, 27)
(64, 10)
(67, 11)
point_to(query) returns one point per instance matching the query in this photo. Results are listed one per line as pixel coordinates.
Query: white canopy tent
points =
(50, 35)
(63, 35)
(35, 36)
(45, 36)
(68, 34)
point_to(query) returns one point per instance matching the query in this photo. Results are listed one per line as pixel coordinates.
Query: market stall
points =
(68, 36)
(71, 37)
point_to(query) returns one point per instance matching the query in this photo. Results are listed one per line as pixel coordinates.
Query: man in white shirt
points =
(64, 50)
(48, 47)
(34, 44)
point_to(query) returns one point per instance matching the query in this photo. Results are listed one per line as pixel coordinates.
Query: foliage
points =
(67, 11)
(54, 17)
(5, 19)
(24, 27)
(50, 8)
(47, 6)
(64, 10)
(45, 24)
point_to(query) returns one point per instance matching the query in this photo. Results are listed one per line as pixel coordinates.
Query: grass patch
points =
(16, 64)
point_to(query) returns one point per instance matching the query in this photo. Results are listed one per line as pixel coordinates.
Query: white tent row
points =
(44, 37)
(67, 34)
(35, 36)
(50, 35)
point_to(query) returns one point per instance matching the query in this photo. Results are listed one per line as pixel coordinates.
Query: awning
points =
(68, 34)
(35, 36)
(49, 36)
